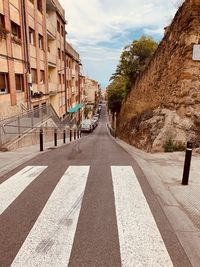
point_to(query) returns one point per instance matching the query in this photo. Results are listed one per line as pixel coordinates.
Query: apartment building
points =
(13, 61)
(32, 56)
(55, 21)
(75, 107)
(91, 91)
(37, 65)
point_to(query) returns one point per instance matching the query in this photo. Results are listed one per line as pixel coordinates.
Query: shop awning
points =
(76, 108)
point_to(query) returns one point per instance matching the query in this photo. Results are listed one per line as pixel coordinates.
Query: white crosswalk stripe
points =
(140, 241)
(50, 241)
(14, 186)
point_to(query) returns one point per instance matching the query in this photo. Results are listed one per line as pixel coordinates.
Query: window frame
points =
(7, 84)
(41, 41)
(21, 82)
(31, 33)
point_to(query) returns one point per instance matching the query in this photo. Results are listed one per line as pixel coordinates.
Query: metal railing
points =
(16, 126)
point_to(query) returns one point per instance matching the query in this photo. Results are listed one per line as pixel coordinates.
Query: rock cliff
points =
(165, 100)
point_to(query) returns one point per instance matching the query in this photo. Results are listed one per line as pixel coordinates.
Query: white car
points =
(87, 126)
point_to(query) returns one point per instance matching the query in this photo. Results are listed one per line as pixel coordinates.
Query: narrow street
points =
(85, 204)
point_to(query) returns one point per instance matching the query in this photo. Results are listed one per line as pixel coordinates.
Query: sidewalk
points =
(181, 204)
(12, 159)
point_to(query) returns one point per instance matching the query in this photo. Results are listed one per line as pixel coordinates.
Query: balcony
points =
(51, 30)
(51, 60)
(73, 73)
(53, 90)
(73, 90)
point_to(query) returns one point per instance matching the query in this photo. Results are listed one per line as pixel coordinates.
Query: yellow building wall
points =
(30, 8)
(1, 7)
(3, 48)
(14, 14)
(17, 50)
(3, 65)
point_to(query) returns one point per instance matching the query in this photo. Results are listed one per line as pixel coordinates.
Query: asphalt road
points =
(84, 204)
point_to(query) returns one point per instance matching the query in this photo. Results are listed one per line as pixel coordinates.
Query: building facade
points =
(91, 91)
(37, 65)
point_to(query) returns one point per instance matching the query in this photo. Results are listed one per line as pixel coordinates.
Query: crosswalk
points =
(50, 241)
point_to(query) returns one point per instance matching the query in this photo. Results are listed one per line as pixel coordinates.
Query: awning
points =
(76, 108)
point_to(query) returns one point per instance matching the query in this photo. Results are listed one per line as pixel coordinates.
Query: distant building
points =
(91, 91)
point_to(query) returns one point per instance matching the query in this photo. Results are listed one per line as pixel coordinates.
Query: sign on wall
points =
(196, 52)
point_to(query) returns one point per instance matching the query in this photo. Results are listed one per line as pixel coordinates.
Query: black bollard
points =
(74, 134)
(70, 135)
(41, 140)
(186, 171)
(64, 136)
(55, 137)
(78, 134)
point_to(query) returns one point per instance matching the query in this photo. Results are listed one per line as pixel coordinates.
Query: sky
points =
(100, 29)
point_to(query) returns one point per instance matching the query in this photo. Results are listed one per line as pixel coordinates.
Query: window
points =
(63, 55)
(42, 77)
(15, 29)
(60, 78)
(62, 30)
(34, 75)
(58, 26)
(59, 53)
(4, 84)
(2, 21)
(41, 42)
(31, 36)
(39, 5)
(19, 81)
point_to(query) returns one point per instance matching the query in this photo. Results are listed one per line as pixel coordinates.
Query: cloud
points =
(99, 29)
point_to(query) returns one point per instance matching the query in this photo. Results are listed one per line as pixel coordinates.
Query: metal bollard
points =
(64, 136)
(77, 133)
(80, 133)
(41, 140)
(74, 134)
(186, 171)
(55, 137)
(70, 135)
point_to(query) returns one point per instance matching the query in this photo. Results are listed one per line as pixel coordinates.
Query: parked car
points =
(95, 121)
(87, 126)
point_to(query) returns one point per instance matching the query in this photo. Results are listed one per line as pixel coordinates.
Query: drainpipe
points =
(65, 74)
(26, 53)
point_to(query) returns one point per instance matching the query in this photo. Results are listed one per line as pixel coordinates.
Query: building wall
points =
(11, 59)
(73, 76)
(55, 22)
(91, 90)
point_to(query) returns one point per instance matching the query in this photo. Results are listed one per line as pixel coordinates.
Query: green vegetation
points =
(171, 146)
(133, 61)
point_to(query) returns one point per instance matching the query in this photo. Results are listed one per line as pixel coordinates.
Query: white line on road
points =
(14, 186)
(140, 241)
(50, 240)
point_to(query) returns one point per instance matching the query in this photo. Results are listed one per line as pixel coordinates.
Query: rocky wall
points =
(165, 100)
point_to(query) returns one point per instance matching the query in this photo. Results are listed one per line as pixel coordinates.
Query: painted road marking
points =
(50, 240)
(140, 241)
(15, 185)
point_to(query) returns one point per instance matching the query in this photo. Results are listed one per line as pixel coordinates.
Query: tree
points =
(134, 59)
(116, 94)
